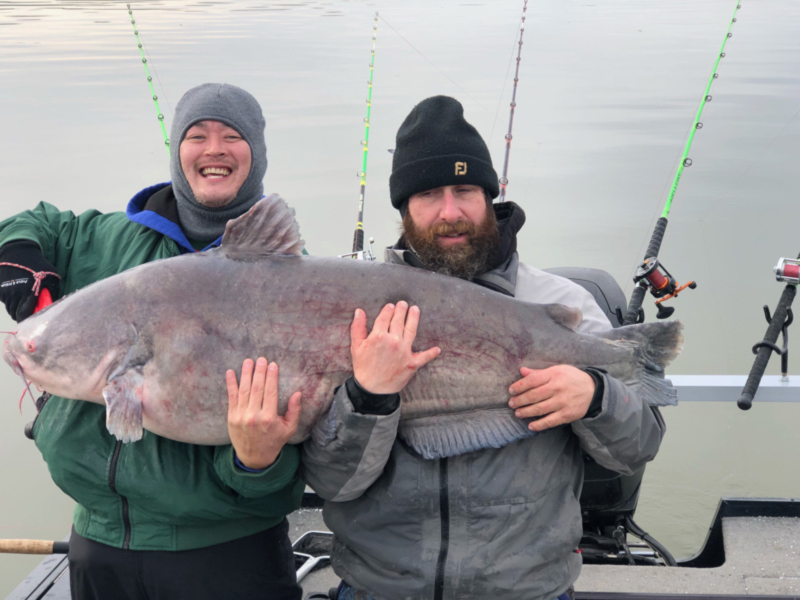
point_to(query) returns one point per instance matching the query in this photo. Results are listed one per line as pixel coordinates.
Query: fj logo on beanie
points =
(461, 168)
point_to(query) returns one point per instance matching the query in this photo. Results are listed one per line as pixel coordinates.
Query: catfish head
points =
(71, 348)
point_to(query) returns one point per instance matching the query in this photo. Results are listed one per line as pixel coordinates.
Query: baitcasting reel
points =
(788, 270)
(661, 284)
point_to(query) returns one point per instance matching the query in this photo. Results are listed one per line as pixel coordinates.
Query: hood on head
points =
(236, 108)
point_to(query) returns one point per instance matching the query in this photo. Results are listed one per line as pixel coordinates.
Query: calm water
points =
(606, 95)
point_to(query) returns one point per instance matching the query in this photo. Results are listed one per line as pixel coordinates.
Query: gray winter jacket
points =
(498, 523)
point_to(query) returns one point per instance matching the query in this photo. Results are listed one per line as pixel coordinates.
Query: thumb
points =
(292, 416)
(358, 330)
(423, 358)
(26, 307)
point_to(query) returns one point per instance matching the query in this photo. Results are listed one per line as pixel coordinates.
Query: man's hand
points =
(383, 361)
(257, 431)
(560, 395)
(16, 284)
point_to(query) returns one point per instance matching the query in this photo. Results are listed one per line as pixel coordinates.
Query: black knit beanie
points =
(435, 147)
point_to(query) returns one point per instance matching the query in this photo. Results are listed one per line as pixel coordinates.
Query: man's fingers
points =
(292, 416)
(244, 383)
(257, 388)
(552, 420)
(233, 391)
(399, 319)
(532, 396)
(384, 318)
(411, 324)
(270, 403)
(537, 410)
(531, 378)
(423, 358)
(358, 329)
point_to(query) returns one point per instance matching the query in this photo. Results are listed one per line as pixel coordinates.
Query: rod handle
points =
(33, 547)
(632, 315)
(657, 237)
(764, 352)
(358, 240)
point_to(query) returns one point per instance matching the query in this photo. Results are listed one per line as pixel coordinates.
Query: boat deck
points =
(761, 560)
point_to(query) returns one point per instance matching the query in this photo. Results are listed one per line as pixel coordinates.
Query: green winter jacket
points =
(154, 494)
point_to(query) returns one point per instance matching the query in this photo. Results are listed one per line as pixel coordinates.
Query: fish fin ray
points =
(568, 316)
(123, 396)
(655, 346)
(440, 436)
(270, 227)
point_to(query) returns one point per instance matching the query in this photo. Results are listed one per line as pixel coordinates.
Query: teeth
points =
(215, 171)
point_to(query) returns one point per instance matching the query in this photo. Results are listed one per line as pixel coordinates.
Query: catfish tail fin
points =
(655, 346)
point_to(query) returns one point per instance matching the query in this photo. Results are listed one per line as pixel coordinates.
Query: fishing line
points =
(504, 177)
(434, 66)
(149, 80)
(650, 274)
(503, 90)
(155, 71)
(358, 236)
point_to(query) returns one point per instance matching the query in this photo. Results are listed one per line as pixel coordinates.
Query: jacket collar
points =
(155, 208)
(503, 276)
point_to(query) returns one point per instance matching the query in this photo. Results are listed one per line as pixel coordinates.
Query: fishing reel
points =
(365, 254)
(655, 277)
(788, 270)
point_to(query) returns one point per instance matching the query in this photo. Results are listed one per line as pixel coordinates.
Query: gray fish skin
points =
(162, 335)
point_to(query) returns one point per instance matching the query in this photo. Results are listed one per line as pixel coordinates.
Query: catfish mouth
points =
(11, 360)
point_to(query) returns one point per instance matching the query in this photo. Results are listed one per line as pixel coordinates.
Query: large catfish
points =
(153, 343)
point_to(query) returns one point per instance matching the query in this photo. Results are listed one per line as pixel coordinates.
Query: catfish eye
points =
(31, 346)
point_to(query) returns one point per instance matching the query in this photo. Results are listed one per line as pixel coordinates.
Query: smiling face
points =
(452, 230)
(216, 161)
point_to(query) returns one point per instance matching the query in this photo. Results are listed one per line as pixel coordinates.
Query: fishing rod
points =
(33, 547)
(149, 79)
(504, 178)
(358, 237)
(651, 275)
(787, 271)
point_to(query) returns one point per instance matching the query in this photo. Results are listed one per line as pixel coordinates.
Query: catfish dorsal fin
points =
(567, 316)
(269, 227)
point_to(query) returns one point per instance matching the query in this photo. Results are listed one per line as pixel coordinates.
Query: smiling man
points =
(497, 523)
(159, 519)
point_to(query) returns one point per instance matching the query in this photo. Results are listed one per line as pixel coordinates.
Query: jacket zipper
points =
(112, 483)
(492, 286)
(444, 515)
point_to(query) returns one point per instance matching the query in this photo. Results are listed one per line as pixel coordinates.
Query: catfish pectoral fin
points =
(123, 396)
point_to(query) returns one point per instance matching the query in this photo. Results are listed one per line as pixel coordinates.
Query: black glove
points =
(16, 285)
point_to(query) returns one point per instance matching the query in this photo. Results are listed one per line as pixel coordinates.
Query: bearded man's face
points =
(453, 230)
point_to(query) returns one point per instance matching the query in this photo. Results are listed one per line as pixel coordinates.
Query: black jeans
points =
(257, 567)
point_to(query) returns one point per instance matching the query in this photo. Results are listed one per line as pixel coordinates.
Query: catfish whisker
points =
(27, 389)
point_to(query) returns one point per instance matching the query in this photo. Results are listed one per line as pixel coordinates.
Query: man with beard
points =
(500, 523)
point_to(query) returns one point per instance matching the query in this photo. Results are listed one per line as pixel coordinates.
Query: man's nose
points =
(215, 147)
(450, 211)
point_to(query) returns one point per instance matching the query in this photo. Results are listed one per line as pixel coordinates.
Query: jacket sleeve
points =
(625, 434)
(279, 475)
(55, 231)
(347, 450)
